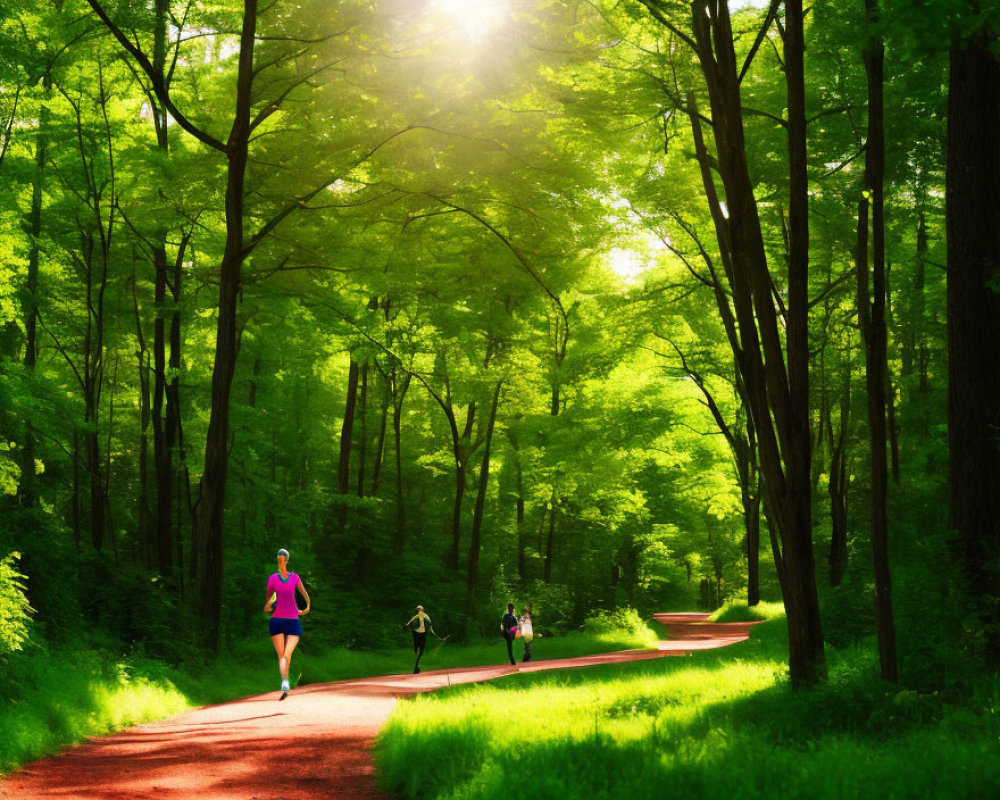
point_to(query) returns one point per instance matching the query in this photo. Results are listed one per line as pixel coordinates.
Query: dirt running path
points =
(318, 740)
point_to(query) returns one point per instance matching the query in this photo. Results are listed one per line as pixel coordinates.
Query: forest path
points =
(314, 744)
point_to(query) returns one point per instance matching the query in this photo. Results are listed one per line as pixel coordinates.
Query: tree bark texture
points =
(875, 338)
(973, 227)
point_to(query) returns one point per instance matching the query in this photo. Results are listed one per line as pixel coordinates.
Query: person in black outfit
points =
(509, 627)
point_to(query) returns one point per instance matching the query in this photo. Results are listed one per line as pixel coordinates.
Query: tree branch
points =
(159, 84)
(275, 104)
(656, 9)
(300, 202)
(771, 12)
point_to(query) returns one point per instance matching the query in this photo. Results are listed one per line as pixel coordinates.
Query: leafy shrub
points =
(10, 472)
(15, 611)
(621, 623)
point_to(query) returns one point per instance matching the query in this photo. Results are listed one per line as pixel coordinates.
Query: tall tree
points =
(872, 321)
(973, 220)
(775, 373)
(26, 486)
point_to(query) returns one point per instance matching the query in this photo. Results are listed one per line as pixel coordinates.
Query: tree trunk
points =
(875, 336)
(461, 453)
(211, 502)
(837, 487)
(75, 504)
(973, 224)
(891, 427)
(399, 535)
(173, 422)
(547, 574)
(97, 498)
(93, 376)
(380, 442)
(918, 309)
(363, 439)
(778, 399)
(518, 505)
(806, 657)
(751, 521)
(346, 441)
(27, 482)
(472, 569)
(142, 506)
(107, 465)
(162, 444)
(161, 450)
(917, 316)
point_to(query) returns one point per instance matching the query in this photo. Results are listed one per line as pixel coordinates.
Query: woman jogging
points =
(286, 630)
(418, 625)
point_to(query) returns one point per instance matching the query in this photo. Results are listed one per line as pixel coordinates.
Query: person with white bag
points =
(526, 633)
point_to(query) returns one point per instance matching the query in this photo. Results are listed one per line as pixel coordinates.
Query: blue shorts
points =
(283, 625)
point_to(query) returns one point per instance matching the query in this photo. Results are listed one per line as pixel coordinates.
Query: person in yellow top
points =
(418, 625)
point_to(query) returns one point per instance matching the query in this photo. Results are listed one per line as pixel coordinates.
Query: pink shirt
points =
(285, 608)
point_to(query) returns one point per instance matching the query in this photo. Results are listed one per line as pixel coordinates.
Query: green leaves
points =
(10, 472)
(15, 611)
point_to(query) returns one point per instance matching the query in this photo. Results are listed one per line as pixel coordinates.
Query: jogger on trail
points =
(284, 625)
(509, 627)
(418, 625)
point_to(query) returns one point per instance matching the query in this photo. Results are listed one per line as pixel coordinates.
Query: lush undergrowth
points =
(51, 699)
(719, 724)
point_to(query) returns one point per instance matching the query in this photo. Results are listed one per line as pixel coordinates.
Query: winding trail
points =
(318, 740)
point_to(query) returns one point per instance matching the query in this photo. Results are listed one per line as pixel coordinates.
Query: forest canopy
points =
(619, 303)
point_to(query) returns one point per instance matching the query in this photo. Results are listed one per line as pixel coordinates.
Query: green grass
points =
(734, 611)
(62, 699)
(50, 700)
(718, 724)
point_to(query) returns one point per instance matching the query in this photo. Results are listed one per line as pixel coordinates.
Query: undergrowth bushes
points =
(53, 699)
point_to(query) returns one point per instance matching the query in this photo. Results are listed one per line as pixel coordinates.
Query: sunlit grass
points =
(719, 724)
(736, 611)
(68, 699)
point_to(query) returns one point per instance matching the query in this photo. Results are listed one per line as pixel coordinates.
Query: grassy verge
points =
(719, 724)
(54, 699)
(59, 699)
(741, 612)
